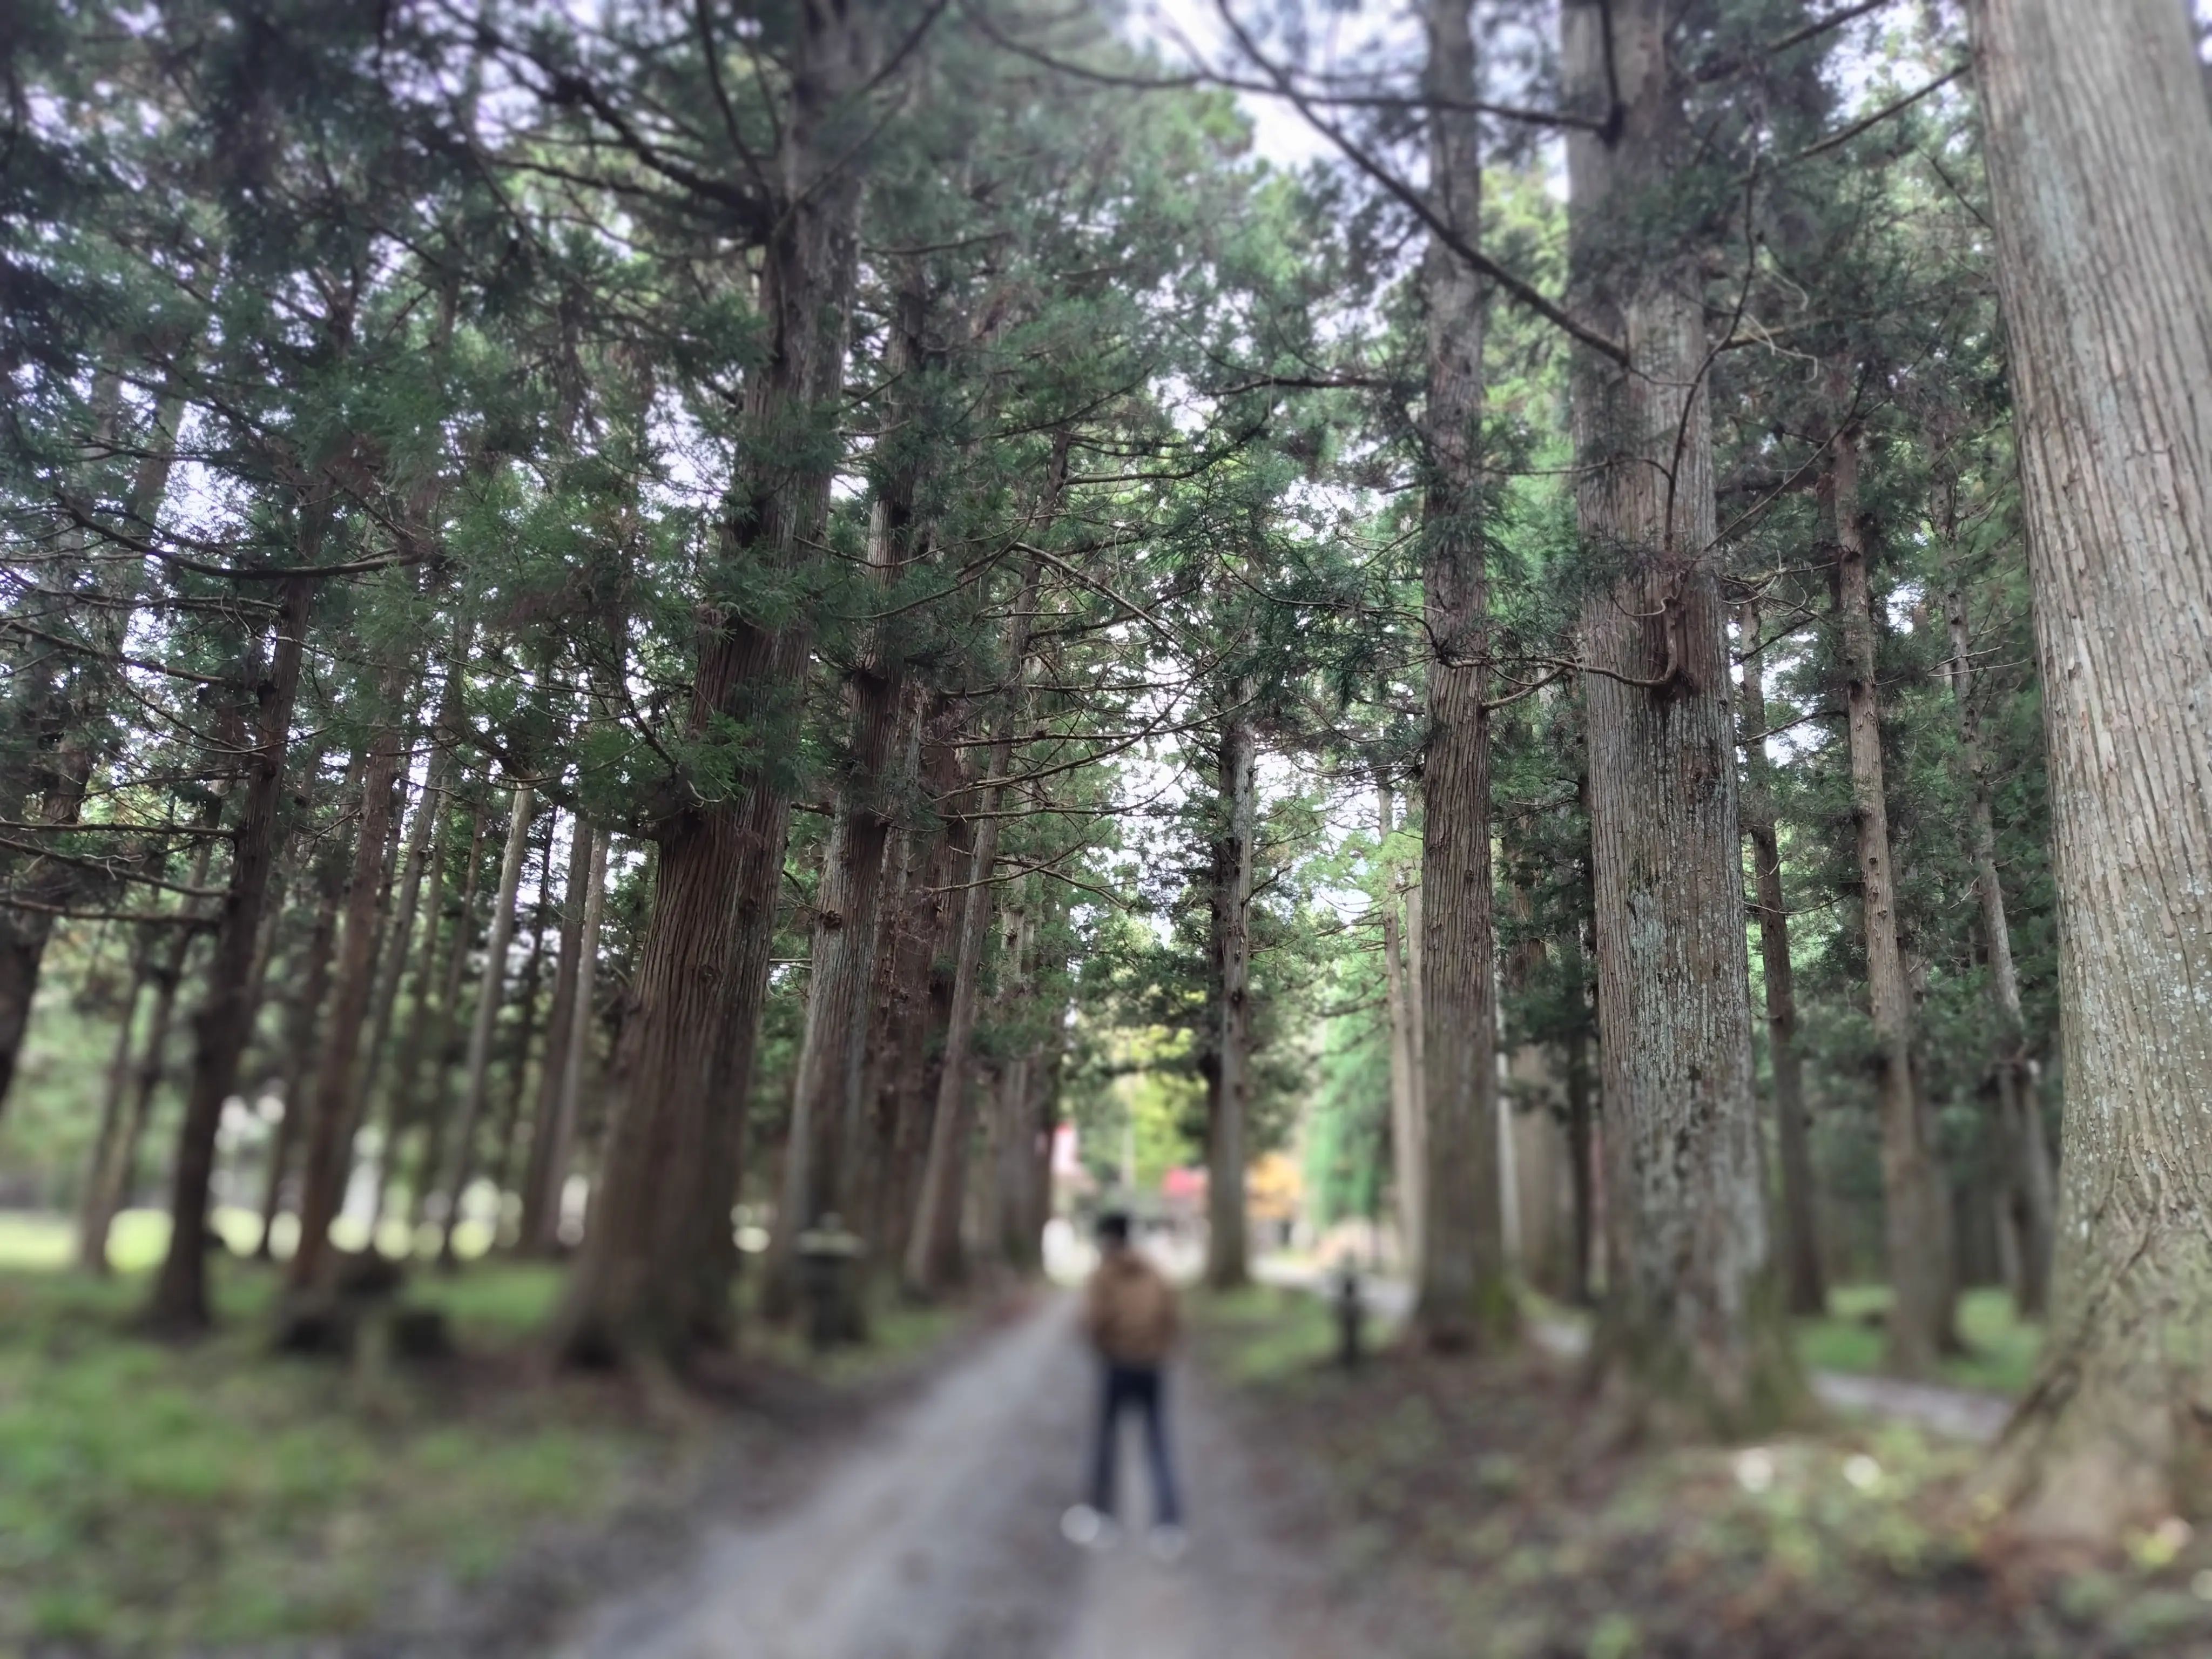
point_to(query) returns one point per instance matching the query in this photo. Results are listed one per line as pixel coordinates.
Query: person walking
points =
(1130, 1316)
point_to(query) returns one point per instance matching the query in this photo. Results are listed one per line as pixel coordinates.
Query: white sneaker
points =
(1169, 1543)
(1086, 1527)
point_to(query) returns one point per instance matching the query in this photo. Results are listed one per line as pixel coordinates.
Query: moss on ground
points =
(1488, 1507)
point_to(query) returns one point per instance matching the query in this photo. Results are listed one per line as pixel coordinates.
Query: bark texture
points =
(1461, 1297)
(1804, 1278)
(2098, 148)
(491, 992)
(324, 1171)
(655, 1272)
(179, 1304)
(824, 1141)
(1693, 1324)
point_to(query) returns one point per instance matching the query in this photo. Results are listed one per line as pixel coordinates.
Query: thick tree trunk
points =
(1914, 1200)
(491, 992)
(179, 1304)
(2099, 149)
(324, 1170)
(921, 1001)
(540, 1188)
(2028, 1188)
(1806, 1282)
(1227, 1229)
(824, 1138)
(1462, 1298)
(658, 1259)
(1405, 1158)
(1694, 1326)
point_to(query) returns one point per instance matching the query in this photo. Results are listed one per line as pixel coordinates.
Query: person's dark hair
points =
(1113, 1228)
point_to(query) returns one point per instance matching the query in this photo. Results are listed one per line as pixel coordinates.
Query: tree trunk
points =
(437, 1053)
(933, 1256)
(1806, 1283)
(826, 1097)
(1227, 1228)
(540, 1186)
(2029, 1186)
(543, 1224)
(95, 1209)
(658, 1260)
(491, 992)
(1694, 1326)
(1406, 1160)
(2099, 146)
(921, 1000)
(179, 1304)
(526, 1034)
(421, 856)
(312, 974)
(322, 1172)
(63, 777)
(1913, 1198)
(1463, 1298)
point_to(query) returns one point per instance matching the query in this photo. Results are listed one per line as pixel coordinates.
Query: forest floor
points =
(1482, 1508)
(220, 1498)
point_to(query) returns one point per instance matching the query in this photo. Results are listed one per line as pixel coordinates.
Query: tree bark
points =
(179, 1304)
(1227, 1239)
(323, 1173)
(311, 973)
(543, 1224)
(1694, 1327)
(95, 1210)
(1463, 1298)
(491, 992)
(1806, 1281)
(526, 1032)
(922, 1004)
(1921, 1274)
(823, 1142)
(658, 1260)
(540, 1187)
(2099, 146)
(2029, 1185)
(437, 1052)
(1406, 1163)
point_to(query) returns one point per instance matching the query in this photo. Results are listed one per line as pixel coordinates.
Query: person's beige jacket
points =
(1129, 1310)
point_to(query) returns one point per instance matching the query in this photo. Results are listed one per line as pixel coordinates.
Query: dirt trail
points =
(936, 1536)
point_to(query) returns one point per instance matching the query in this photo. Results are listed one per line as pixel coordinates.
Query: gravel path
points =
(936, 1536)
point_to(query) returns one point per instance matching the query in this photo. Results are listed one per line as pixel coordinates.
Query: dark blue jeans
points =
(1141, 1388)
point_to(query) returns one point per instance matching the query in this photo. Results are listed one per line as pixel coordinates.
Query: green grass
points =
(1263, 1333)
(2001, 1349)
(155, 1499)
(158, 1499)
